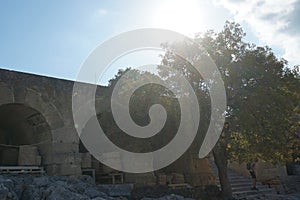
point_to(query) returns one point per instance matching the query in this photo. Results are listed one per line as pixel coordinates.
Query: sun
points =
(183, 16)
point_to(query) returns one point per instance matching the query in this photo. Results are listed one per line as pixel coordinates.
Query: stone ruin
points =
(37, 129)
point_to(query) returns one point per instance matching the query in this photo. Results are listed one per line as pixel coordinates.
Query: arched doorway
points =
(23, 132)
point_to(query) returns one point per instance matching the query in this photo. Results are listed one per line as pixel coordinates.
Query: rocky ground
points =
(294, 196)
(51, 188)
(25, 187)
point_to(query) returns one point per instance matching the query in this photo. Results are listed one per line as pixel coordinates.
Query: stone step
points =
(241, 183)
(234, 181)
(237, 177)
(250, 192)
(258, 196)
(246, 188)
(233, 175)
(244, 185)
(251, 196)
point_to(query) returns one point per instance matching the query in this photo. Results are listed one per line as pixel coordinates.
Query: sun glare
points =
(183, 16)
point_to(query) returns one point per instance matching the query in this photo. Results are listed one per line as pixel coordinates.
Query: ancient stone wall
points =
(50, 100)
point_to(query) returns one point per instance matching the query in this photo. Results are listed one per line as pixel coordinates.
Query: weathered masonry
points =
(37, 129)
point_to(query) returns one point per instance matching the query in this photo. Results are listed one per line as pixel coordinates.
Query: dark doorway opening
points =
(24, 132)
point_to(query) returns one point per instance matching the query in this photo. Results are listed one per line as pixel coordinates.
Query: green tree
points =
(140, 102)
(262, 94)
(262, 98)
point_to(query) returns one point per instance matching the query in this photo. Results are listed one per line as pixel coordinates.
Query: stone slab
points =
(29, 156)
(143, 179)
(63, 169)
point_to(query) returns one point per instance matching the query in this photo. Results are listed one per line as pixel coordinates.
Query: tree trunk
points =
(221, 162)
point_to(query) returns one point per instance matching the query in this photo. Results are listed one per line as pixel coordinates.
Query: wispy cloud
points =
(101, 12)
(274, 22)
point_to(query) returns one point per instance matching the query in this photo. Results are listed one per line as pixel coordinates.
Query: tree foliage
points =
(262, 93)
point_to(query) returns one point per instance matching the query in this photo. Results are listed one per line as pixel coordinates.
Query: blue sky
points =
(54, 38)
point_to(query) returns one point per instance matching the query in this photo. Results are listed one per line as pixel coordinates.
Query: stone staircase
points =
(241, 185)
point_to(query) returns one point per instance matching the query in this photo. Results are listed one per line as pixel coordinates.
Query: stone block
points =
(65, 135)
(86, 160)
(65, 147)
(66, 169)
(144, 179)
(177, 178)
(199, 165)
(63, 169)
(9, 156)
(62, 158)
(29, 156)
(59, 148)
(200, 179)
(55, 120)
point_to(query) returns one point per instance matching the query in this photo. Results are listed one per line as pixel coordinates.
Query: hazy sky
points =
(54, 38)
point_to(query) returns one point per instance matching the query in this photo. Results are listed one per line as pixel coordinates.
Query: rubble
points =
(26, 187)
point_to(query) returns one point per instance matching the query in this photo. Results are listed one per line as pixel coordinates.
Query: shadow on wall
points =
(24, 135)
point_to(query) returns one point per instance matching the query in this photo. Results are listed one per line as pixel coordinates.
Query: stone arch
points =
(33, 99)
(47, 109)
(25, 135)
